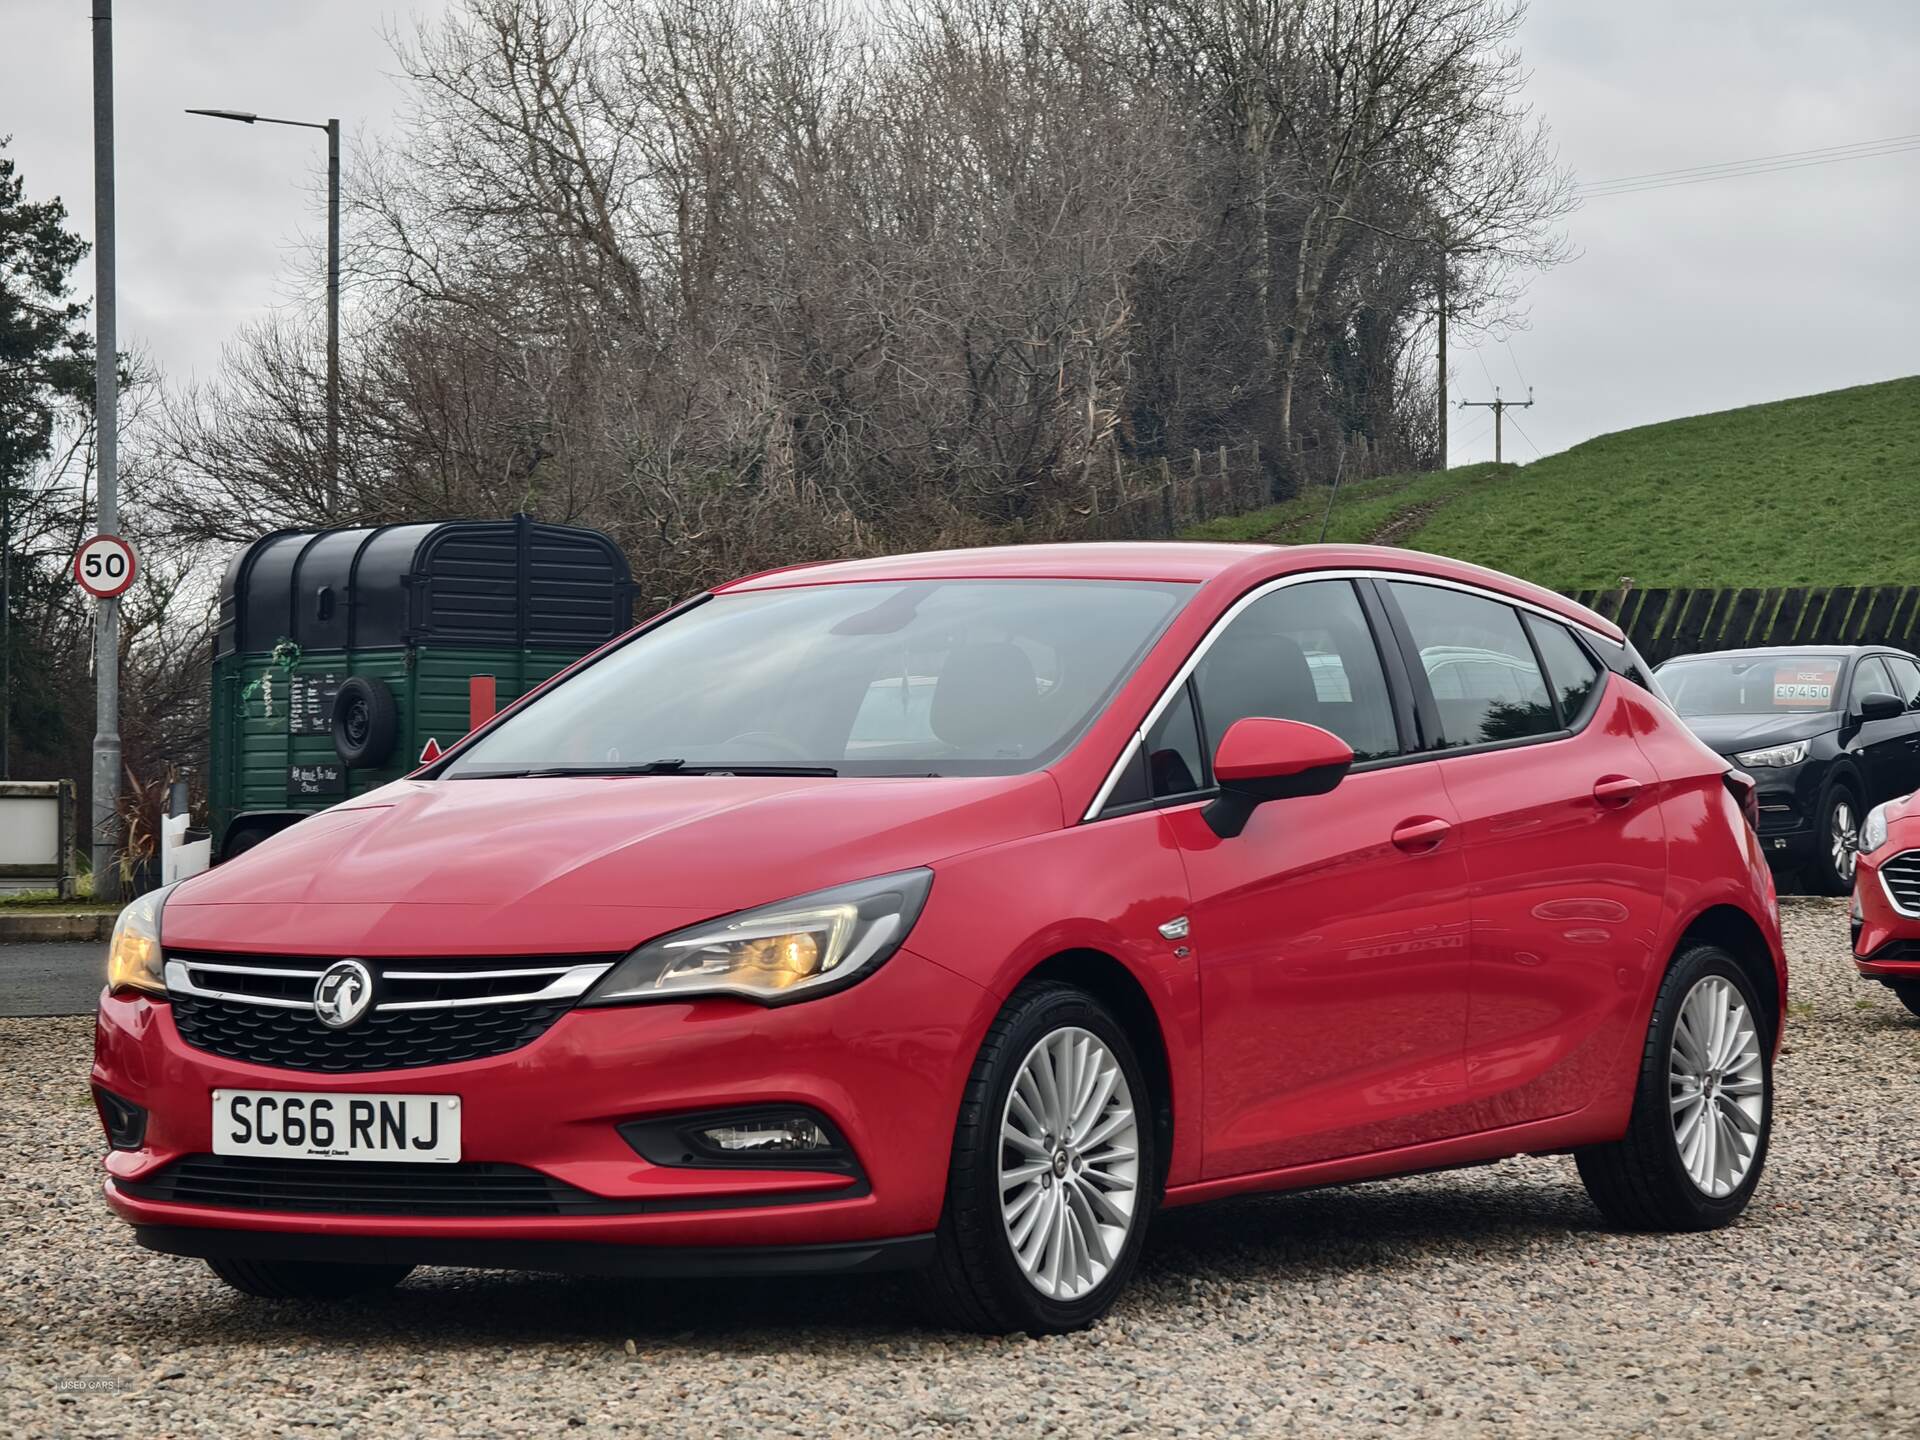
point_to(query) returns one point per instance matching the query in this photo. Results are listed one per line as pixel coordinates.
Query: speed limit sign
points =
(104, 566)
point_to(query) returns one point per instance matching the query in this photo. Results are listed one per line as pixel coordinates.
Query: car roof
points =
(1187, 562)
(1127, 560)
(1761, 652)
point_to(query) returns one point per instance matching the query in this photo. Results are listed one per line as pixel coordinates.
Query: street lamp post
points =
(332, 127)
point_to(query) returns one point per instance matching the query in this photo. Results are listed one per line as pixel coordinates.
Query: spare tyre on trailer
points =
(339, 655)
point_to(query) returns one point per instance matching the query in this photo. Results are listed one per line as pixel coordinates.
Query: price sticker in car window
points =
(1801, 687)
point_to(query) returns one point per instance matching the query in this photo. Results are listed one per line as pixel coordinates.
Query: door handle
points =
(1417, 837)
(1615, 792)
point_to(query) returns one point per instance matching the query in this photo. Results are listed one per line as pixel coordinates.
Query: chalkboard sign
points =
(316, 780)
(310, 708)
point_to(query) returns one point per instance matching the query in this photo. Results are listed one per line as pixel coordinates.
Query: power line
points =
(1514, 356)
(1529, 439)
(1466, 445)
(1757, 160)
(1740, 174)
(1597, 192)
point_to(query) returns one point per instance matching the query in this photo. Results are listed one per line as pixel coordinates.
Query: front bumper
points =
(660, 1262)
(884, 1061)
(1886, 943)
(1788, 835)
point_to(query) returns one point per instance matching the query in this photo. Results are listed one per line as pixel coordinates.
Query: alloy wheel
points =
(1845, 840)
(1716, 1086)
(1069, 1163)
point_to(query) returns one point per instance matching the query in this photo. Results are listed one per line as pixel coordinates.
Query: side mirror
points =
(1881, 706)
(1261, 759)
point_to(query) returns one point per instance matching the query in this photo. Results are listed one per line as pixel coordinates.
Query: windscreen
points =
(932, 677)
(1752, 684)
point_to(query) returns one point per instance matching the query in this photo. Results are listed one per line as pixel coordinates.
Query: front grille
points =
(1901, 876)
(361, 1187)
(424, 1012)
(404, 1040)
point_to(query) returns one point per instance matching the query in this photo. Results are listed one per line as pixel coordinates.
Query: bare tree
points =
(749, 281)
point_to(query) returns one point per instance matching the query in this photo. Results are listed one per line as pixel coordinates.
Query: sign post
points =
(105, 830)
(104, 566)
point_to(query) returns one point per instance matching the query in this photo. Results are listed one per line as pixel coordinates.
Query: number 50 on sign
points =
(104, 566)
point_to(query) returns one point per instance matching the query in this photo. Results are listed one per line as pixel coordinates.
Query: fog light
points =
(762, 1137)
(124, 1121)
(794, 1134)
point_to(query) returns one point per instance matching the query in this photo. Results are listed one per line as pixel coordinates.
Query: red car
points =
(1886, 899)
(955, 912)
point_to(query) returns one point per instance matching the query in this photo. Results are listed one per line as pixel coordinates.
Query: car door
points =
(1883, 749)
(1906, 684)
(1330, 935)
(1564, 844)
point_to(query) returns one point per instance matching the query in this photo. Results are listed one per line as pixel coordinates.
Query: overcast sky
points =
(1681, 301)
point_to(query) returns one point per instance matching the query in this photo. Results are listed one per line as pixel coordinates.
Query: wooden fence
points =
(1158, 499)
(1665, 623)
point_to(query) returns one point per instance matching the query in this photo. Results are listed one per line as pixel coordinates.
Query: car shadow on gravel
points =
(447, 1309)
(1325, 1234)
(1880, 1019)
(1262, 1240)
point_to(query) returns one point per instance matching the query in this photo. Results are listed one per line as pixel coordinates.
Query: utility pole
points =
(106, 435)
(1500, 408)
(1442, 311)
(333, 321)
(6, 631)
(332, 127)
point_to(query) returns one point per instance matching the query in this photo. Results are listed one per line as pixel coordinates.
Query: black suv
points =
(1829, 731)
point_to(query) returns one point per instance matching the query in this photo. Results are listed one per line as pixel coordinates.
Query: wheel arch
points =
(1109, 981)
(1742, 937)
(1844, 773)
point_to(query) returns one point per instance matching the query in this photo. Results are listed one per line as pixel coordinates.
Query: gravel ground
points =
(1488, 1299)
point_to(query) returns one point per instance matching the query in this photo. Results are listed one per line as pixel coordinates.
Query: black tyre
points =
(1908, 995)
(366, 722)
(1702, 1110)
(305, 1280)
(1837, 838)
(1054, 1172)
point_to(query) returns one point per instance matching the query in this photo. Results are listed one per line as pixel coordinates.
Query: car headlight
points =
(775, 954)
(133, 955)
(1774, 757)
(1873, 830)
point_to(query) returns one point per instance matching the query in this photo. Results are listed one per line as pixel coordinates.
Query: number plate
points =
(299, 1125)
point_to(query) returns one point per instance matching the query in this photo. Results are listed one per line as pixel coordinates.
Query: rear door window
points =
(1480, 666)
(1571, 671)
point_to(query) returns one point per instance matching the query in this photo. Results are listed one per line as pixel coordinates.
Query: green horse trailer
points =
(342, 656)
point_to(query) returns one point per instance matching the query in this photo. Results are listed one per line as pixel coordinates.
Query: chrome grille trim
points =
(1900, 883)
(568, 985)
(180, 982)
(568, 982)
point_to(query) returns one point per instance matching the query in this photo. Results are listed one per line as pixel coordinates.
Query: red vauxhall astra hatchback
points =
(954, 913)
